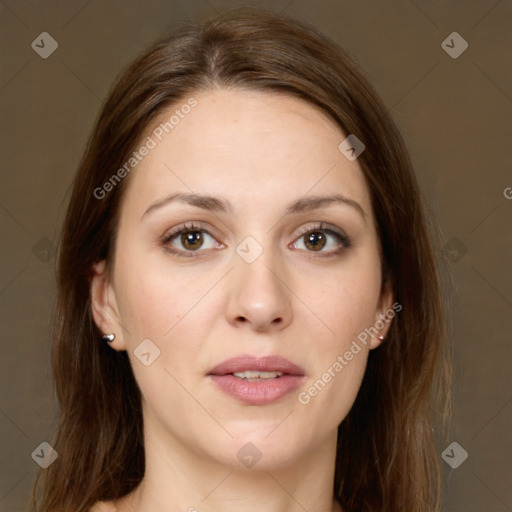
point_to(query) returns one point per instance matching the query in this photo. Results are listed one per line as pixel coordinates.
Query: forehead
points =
(251, 146)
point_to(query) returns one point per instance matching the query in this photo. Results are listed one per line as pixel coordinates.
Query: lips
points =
(280, 378)
(257, 364)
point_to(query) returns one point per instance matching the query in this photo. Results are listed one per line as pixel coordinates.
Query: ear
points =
(383, 315)
(104, 305)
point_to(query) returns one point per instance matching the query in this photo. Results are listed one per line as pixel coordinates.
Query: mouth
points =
(253, 376)
(257, 380)
(248, 366)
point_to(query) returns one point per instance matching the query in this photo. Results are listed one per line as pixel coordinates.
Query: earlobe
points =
(376, 341)
(103, 305)
(384, 316)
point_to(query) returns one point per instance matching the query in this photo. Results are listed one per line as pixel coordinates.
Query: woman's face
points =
(257, 276)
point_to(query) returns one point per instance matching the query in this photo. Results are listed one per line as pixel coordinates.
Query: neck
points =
(179, 478)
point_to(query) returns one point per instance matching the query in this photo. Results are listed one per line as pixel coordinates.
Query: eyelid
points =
(187, 226)
(192, 226)
(199, 226)
(329, 229)
(322, 226)
(183, 228)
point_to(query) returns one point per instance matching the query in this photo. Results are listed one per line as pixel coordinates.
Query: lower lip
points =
(260, 392)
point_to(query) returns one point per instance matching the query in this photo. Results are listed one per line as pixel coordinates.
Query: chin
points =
(261, 448)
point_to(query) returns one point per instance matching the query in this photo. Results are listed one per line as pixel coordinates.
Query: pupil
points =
(316, 240)
(192, 240)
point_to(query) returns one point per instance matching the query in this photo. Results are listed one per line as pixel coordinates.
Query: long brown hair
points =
(386, 456)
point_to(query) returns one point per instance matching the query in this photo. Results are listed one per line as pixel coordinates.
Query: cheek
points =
(338, 368)
(174, 309)
(346, 305)
(153, 298)
(343, 300)
(330, 394)
(168, 310)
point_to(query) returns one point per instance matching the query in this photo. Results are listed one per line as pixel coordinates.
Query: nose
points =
(259, 295)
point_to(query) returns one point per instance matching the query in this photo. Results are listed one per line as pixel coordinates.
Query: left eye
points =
(315, 240)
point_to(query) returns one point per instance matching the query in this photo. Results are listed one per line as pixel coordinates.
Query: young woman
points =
(249, 311)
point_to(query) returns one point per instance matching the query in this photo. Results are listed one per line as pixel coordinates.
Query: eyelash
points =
(320, 227)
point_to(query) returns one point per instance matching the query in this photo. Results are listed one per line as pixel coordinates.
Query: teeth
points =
(252, 375)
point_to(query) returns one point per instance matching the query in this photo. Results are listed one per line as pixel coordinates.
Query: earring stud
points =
(108, 337)
(381, 338)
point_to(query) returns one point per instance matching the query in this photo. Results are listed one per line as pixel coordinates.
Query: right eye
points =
(191, 238)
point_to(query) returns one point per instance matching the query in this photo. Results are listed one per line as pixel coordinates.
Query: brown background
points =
(456, 118)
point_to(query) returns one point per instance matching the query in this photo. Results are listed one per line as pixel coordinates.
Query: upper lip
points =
(253, 363)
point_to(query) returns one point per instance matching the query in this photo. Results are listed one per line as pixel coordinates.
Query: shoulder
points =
(103, 506)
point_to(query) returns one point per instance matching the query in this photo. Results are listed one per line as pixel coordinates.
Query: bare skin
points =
(305, 302)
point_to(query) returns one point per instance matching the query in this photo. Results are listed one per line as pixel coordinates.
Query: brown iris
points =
(192, 239)
(315, 240)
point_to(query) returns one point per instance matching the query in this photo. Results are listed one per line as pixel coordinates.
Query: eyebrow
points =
(220, 204)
